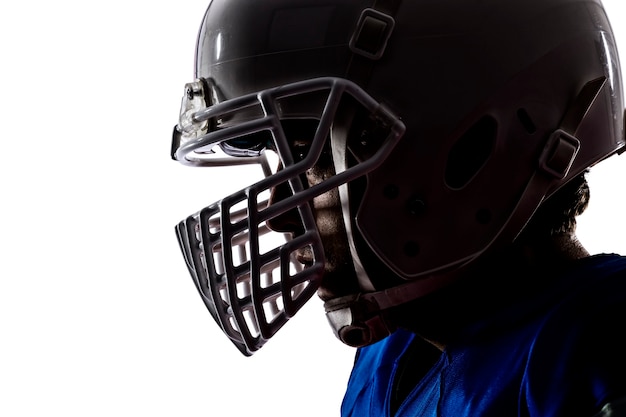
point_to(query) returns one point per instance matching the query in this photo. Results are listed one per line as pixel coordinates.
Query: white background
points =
(98, 316)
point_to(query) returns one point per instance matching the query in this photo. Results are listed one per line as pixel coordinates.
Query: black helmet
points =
(449, 123)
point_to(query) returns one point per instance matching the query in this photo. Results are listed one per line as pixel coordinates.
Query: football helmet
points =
(448, 123)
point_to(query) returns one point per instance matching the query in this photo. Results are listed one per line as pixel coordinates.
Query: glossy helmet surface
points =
(449, 122)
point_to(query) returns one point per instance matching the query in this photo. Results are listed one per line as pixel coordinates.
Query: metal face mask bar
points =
(250, 281)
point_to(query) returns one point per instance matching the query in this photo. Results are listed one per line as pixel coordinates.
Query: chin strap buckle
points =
(355, 322)
(559, 154)
(562, 146)
(371, 34)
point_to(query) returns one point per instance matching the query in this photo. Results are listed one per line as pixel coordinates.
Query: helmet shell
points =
(481, 86)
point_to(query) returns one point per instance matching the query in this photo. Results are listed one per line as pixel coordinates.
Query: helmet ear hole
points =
(470, 152)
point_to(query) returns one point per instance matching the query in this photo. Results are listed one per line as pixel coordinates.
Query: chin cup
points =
(357, 320)
(360, 319)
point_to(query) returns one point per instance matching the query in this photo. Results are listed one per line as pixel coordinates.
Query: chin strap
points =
(360, 319)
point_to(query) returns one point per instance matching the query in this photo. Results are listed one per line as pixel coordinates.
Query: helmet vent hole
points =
(526, 121)
(411, 249)
(470, 152)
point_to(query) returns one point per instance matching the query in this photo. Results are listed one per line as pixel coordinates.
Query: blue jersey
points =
(567, 360)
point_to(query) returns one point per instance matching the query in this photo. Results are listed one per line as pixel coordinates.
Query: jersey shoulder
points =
(578, 356)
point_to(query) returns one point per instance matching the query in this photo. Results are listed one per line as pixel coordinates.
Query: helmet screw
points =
(391, 191)
(193, 89)
(416, 206)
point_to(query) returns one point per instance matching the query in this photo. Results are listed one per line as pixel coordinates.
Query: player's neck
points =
(492, 283)
(552, 252)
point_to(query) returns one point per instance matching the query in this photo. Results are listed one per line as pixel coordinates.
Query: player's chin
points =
(339, 280)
